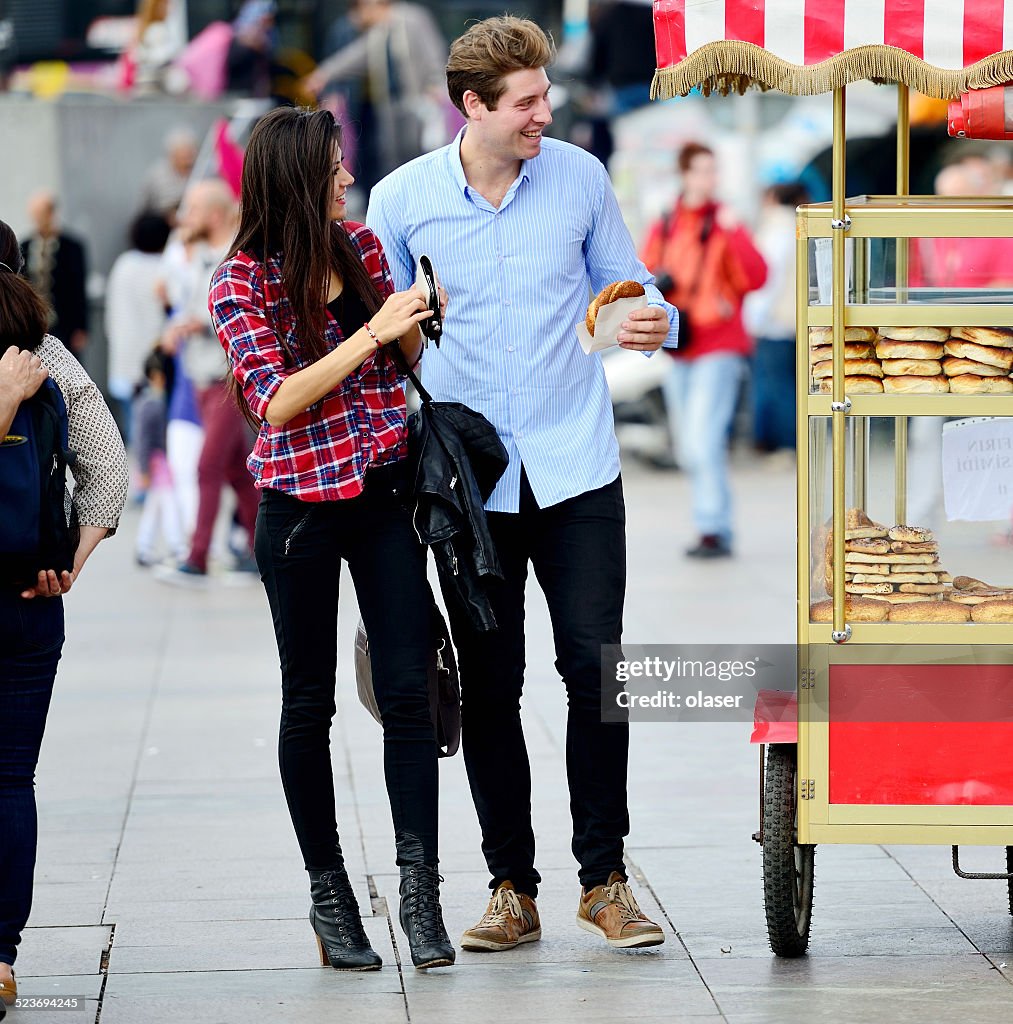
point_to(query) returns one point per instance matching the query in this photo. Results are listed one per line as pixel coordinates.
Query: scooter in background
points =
(638, 405)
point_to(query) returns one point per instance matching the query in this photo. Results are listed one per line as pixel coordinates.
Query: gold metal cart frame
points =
(899, 217)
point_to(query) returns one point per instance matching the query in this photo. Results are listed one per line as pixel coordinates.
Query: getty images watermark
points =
(869, 683)
(692, 682)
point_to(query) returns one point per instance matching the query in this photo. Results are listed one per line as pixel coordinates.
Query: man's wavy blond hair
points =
(489, 51)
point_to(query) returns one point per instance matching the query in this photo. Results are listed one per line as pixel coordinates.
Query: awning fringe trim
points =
(731, 66)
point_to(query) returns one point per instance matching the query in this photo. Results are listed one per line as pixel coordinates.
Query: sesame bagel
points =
(611, 292)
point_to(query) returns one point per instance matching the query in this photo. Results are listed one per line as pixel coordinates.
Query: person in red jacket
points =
(705, 263)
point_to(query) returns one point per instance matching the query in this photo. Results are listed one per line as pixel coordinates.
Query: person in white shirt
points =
(134, 311)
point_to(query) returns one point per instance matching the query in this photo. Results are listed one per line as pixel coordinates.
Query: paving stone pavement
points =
(170, 887)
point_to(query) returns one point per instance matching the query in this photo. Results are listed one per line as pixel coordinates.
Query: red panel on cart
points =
(921, 734)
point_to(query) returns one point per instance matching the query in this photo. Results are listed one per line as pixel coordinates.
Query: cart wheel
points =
(787, 867)
(1009, 870)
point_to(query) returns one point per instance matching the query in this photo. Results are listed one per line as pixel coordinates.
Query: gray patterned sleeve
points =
(100, 471)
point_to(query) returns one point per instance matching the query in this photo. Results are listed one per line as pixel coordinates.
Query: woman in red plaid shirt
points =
(305, 308)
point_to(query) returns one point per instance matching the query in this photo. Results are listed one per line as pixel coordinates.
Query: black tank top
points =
(350, 312)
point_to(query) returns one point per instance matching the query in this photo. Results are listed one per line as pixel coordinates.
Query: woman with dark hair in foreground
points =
(31, 607)
(306, 310)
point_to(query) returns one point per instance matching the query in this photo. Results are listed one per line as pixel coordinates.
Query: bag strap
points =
(402, 364)
(706, 230)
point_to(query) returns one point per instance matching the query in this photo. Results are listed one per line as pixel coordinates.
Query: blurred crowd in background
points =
(708, 190)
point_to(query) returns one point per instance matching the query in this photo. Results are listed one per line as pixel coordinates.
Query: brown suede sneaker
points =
(510, 919)
(8, 989)
(611, 911)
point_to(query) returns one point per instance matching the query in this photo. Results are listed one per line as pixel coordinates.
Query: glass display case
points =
(905, 626)
(927, 389)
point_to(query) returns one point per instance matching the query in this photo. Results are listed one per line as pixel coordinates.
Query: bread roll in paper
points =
(611, 292)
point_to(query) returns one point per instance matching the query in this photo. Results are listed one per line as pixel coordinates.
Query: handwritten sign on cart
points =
(978, 468)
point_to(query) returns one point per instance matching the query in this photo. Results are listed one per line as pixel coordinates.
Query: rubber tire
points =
(788, 869)
(1009, 881)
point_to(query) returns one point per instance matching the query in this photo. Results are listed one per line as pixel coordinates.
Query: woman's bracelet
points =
(372, 334)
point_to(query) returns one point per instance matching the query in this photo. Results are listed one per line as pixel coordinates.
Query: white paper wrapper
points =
(608, 325)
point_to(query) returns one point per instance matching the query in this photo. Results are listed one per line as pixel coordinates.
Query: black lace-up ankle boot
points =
(338, 926)
(421, 914)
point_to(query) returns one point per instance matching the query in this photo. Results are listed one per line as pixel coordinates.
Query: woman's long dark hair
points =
(24, 316)
(287, 195)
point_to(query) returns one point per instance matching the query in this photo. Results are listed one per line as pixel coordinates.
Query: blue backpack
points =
(34, 456)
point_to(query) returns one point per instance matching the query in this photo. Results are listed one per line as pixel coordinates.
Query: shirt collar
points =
(457, 168)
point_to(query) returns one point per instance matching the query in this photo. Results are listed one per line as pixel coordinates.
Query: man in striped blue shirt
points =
(519, 227)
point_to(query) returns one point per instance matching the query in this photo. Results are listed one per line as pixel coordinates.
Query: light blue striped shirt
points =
(518, 281)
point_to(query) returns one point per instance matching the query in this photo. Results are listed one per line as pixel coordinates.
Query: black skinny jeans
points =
(578, 552)
(299, 547)
(31, 641)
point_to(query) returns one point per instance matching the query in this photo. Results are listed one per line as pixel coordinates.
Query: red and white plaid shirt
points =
(321, 454)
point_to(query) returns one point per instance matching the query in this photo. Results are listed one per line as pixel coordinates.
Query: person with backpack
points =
(705, 263)
(52, 417)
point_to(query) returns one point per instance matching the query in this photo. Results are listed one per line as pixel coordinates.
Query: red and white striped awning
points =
(939, 47)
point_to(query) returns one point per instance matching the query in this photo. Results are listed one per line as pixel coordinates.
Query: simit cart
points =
(901, 726)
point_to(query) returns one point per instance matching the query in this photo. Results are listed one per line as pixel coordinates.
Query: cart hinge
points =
(807, 789)
(807, 679)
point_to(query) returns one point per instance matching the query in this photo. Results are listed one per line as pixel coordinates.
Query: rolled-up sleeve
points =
(255, 354)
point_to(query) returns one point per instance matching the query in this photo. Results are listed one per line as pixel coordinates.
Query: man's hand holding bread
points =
(643, 330)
